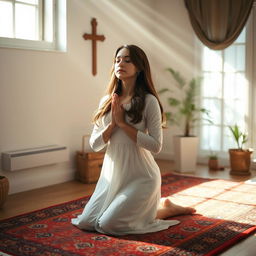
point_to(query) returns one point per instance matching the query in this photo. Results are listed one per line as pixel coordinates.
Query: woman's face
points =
(124, 68)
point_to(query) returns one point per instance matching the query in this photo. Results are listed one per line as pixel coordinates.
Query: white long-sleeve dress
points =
(127, 194)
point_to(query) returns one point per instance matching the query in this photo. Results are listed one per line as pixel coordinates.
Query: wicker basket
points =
(88, 164)
(4, 189)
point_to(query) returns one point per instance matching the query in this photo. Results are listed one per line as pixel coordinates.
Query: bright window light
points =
(225, 92)
(26, 22)
(6, 19)
(33, 24)
(29, 1)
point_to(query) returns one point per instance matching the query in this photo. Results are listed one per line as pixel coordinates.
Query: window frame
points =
(252, 76)
(58, 31)
(250, 65)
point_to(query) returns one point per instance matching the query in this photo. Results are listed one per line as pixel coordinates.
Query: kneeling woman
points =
(127, 198)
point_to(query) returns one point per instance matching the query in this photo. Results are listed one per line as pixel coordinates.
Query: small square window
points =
(33, 24)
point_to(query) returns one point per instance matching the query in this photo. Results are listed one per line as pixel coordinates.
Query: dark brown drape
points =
(218, 23)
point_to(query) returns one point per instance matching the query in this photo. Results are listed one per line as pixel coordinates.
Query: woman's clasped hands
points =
(118, 112)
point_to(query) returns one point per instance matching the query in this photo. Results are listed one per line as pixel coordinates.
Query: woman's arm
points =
(101, 135)
(96, 140)
(108, 132)
(153, 139)
(130, 131)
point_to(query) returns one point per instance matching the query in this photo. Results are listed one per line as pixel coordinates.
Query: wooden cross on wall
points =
(94, 37)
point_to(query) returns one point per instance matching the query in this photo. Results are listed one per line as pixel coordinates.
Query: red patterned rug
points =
(226, 213)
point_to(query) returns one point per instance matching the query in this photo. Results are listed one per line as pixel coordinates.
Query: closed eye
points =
(126, 59)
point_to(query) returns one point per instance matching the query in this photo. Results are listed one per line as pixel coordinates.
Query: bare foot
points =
(169, 209)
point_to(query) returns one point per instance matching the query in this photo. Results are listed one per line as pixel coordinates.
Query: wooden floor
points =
(44, 197)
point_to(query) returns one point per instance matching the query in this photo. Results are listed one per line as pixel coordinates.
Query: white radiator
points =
(28, 158)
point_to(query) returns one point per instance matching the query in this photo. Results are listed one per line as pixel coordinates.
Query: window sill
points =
(30, 45)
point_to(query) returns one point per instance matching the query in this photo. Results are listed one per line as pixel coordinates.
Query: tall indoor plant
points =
(185, 113)
(240, 158)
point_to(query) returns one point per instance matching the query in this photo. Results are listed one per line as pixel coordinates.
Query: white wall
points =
(48, 97)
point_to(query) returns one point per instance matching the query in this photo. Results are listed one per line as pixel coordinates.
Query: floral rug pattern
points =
(226, 213)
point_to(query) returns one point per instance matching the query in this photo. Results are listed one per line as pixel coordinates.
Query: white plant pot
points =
(185, 153)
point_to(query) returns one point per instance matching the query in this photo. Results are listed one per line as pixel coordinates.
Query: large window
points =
(226, 93)
(33, 24)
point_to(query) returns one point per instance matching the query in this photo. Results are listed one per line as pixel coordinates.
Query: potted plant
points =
(185, 114)
(240, 158)
(213, 162)
(4, 189)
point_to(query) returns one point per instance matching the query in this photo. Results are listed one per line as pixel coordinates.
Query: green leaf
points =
(177, 77)
(173, 102)
(171, 118)
(186, 111)
(239, 137)
(163, 90)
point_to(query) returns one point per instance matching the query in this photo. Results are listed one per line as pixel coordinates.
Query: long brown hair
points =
(143, 86)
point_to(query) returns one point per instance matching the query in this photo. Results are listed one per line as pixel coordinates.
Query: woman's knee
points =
(84, 223)
(106, 225)
(110, 225)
